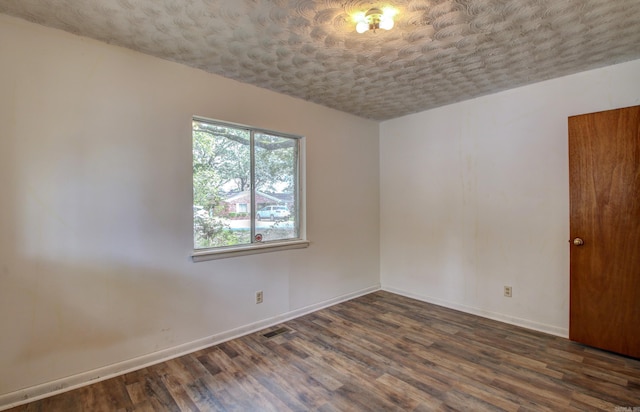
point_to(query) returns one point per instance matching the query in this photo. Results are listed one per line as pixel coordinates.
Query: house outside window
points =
(247, 190)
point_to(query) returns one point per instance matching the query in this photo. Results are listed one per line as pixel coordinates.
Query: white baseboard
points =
(47, 389)
(512, 320)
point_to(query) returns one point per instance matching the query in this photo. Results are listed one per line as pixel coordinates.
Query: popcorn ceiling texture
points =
(440, 52)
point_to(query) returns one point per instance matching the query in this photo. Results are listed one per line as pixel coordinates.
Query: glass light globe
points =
(362, 26)
(386, 23)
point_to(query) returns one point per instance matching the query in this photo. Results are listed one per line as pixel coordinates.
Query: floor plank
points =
(380, 352)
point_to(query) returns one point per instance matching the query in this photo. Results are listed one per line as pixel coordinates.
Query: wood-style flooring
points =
(378, 352)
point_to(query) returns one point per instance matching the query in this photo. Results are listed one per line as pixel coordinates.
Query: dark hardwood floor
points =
(378, 352)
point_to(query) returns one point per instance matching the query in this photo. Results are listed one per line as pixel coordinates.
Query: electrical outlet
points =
(259, 297)
(507, 291)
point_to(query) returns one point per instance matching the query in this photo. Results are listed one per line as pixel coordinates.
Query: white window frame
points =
(200, 255)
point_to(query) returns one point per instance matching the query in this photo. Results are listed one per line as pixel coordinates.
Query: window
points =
(247, 189)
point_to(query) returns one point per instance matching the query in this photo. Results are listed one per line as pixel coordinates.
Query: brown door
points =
(604, 170)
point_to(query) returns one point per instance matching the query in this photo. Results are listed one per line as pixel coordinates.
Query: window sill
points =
(222, 253)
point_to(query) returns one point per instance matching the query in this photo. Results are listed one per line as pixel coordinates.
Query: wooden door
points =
(604, 169)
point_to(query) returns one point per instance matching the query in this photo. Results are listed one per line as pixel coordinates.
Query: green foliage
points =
(211, 233)
(238, 215)
(275, 163)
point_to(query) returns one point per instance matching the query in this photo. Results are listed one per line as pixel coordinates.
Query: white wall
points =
(95, 209)
(475, 196)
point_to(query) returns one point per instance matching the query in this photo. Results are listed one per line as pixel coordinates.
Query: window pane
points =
(221, 181)
(240, 172)
(276, 174)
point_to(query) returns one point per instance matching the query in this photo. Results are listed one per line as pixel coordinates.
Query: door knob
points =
(578, 242)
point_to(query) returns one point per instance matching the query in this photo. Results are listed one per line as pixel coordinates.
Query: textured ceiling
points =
(440, 51)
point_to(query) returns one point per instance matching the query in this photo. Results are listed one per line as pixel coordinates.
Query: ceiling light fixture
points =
(375, 19)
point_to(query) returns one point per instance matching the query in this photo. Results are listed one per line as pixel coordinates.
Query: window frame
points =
(199, 255)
